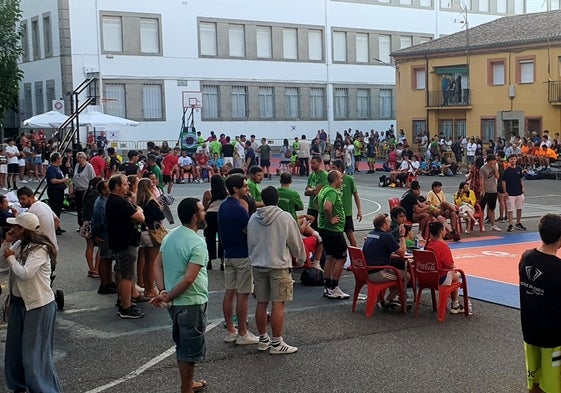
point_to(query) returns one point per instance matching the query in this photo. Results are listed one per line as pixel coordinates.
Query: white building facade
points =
(273, 69)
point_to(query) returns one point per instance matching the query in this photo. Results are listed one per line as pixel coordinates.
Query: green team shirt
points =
(158, 172)
(347, 190)
(313, 180)
(215, 147)
(254, 190)
(358, 147)
(290, 201)
(332, 195)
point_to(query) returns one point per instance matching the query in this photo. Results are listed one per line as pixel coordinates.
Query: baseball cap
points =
(26, 220)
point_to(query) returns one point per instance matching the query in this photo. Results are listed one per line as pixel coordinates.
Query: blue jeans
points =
(29, 348)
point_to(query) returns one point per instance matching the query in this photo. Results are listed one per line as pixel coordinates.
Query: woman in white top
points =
(29, 364)
(212, 199)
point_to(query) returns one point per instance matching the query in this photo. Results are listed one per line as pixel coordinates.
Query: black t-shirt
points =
(128, 168)
(408, 201)
(512, 177)
(540, 298)
(121, 230)
(228, 150)
(378, 248)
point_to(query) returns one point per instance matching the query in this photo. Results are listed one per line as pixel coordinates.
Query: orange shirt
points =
(524, 149)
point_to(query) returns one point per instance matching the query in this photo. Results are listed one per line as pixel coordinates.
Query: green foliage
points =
(10, 52)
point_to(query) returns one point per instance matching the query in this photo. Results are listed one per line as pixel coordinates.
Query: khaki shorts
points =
(237, 275)
(272, 285)
(514, 203)
(543, 366)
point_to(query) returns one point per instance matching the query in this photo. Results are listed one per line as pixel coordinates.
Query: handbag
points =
(86, 229)
(158, 233)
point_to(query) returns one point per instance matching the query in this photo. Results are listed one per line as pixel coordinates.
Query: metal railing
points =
(450, 98)
(554, 92)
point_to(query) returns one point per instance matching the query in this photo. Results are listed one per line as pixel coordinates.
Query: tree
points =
(10, 52)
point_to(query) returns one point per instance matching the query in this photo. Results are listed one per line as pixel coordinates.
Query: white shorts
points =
(4, 168)
(515, 202)
(21, 162)
(229, 160)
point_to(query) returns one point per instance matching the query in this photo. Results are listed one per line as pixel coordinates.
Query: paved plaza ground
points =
(339, 351)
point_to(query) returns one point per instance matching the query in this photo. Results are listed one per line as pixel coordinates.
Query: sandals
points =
(199, 385)
(93, 274)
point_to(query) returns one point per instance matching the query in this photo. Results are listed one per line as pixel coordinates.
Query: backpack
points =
(312, 277)
(384, 181)
(288, 153)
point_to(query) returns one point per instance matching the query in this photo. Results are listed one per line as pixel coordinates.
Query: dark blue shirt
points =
(232, 223)
(250, 153)
(54, 172)
(513, 179)
(378, 248)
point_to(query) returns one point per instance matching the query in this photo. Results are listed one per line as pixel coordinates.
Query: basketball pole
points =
(190, 117)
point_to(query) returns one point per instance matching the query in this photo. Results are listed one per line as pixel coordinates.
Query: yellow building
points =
(491, 80)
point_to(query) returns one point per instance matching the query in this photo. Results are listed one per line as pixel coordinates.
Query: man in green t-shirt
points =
(255, 178)
(215, 147)
(349, 191)
(316, 180)
(359, 147)
(331, 225)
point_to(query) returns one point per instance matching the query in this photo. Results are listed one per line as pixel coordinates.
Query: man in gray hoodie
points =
(273, 238)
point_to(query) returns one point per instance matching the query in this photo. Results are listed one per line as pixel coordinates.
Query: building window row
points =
(256, 40)
(410, 3)
(525, 71)
(37, 97)
(39, 31)
(223, 102)
(143, 33)
(137, 100)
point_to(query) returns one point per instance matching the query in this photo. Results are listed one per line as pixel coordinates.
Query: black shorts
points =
(358, 158)
(167, 178)
(13, 168)
(265, 162)
(490, 200)
(349, 224)
(334, 244)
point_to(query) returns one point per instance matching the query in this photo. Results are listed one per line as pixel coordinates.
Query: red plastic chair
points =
(427, 275)
(376, 291)
(478, 215)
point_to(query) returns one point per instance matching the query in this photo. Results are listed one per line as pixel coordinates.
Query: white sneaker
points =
(282, 349)
(496, 228)
(24, 181)
(4, 189)
(248, 339)
(264, 345)
(337, 293)
(231, 337)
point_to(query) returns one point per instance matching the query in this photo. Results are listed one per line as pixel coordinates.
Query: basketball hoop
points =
(192, 99)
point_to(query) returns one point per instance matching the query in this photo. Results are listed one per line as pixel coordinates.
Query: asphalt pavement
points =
(339, 351)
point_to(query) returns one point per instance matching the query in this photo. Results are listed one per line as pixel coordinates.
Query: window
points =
(405, 42)
(418, 126)
(341, 103)
(290, 44)
(518, 7)
(363, 103)
(114, 99)
(315, 45)
(488, 129)
(35, 39)
(339, 46)
(207, 37)
(384, 48)
(425, 3)
(501, 6)
(445, 127)
(386, 103)
(419, 75)
(362, 55)
(50, 93)
(526, 69)
(149, 35)
(239, 102)
(291, 102)
(405, 2)
(27, 100)
(317, 105)
(39, 98)
(266, 102)
(47, 36)
(211, 102)
(497, 73)
(236, 38)
(152, 102)
(24, 40)
(423, 40)
(112, 34)
(460, 127)
(263, 37)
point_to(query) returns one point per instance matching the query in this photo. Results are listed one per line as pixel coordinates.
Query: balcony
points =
(449, 99)
(554, 92)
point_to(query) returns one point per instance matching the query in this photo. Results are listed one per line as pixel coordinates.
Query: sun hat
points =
(26, 220)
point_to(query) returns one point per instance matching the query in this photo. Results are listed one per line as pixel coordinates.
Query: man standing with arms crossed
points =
(331, 226)
(273, 238)
(514, 189)
(489, 174)
(122, 220)
(182, 281)
(238, 281)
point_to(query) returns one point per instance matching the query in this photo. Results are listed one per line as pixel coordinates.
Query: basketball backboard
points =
(192, 99)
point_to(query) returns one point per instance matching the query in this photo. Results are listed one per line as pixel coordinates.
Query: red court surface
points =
(497, 263)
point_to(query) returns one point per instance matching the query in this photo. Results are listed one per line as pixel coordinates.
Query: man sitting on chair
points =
(378, 249)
